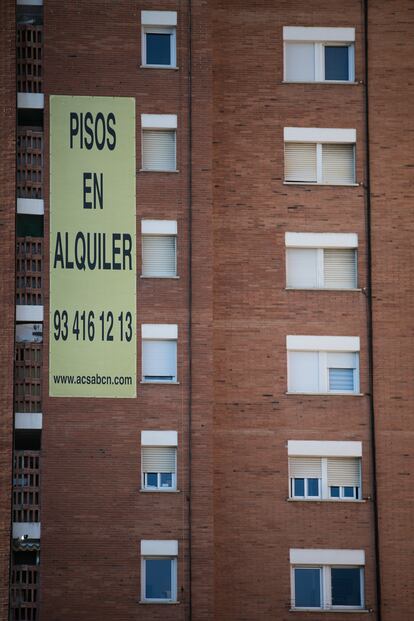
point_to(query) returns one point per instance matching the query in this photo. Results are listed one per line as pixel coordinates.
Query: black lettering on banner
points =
(97, 190)
(74, 127)
(111, 132)
(98, 131)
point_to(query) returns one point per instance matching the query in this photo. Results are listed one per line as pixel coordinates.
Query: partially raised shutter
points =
(344, 472)
(338, 166)
(159, 360)
(305, 467)
(158, 149)
(158, 459)
(300, 162)
(158, 255)
(339, 268)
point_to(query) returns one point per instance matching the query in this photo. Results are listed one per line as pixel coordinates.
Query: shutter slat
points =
(305, 467)
(339, 268)
(300, 162)
(341, 380)
(344, 472)
(158, 150)
(338, 163)
(158, 459)
(159, 255)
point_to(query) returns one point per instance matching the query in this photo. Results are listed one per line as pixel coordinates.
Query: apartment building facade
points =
(258, 466)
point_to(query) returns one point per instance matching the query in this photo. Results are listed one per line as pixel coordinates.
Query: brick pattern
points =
(26, 486)
(29, 259)
(7, 283)
(28, 373)
(29, 162)
(24, 593)
(29, 58)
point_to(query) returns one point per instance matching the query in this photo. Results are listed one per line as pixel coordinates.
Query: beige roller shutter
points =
(158, 459)
(344, 472)
(305, 467)
(339, 268)
(300, 162)
(158, 150)
(338, 166)
(159, 255)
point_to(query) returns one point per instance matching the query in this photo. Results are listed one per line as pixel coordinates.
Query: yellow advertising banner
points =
(92, 247)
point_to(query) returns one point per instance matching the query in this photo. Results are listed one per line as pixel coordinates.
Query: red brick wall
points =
(391, 52)
(7, 283)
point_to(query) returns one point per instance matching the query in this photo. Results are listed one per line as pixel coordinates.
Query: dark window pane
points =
(158, 49)
(299, 487)
(334, 491)
(158, 578)
(152, 479)
(166, 479)
(313, 487)
(346, 586)
(336, 62)
(349, 492)
(307, 588)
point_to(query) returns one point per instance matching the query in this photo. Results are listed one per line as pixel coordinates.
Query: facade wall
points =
(7, 284)
(391, 125)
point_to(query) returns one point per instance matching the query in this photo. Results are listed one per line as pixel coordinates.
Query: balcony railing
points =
(29, 58)
(29, 162)
(28, 365)
(29, 252)
(26, 486)
(24, 586)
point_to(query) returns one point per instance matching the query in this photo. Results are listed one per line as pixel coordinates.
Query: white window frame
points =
(324, 345)
(159, 227)
(326, 586)
(153, 439)
(306, 496)
(159, 22)
(324, 488)
(173, 560)
(321, 242)
(159, 332)
(161, 123)
(321, 37)
(319, 168)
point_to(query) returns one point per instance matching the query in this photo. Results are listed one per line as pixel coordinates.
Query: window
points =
(319, 54)
(159, 352)
(159, 248)
(159, 571)
(323, 364)
(311, 267)
(324, 470)
(159, 142)
(158, 460)
(327, 579)
(158, 38)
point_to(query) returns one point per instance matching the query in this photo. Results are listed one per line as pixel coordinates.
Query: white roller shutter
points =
(305, 467)
(159, 255)
(344, 472)
(300, 162)
(158, 150)
(339, 268)
(158, 459)
(302, 267)
(338, 164)
(303, 371)
(159, 360)
(300, 62)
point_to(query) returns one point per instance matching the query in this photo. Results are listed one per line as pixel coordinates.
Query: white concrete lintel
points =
(30, 313)
(31, 100)
(28, 420)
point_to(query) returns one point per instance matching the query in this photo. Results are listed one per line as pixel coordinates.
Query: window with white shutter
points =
(329, 478)
(159, 360)
(159, 256)
(333, 371)
(319, 54)
(300, 162)
(159, 149)
(339, 268)
(338, 165)
(158, 467)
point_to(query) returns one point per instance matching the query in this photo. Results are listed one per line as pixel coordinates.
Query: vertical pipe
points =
(370, 331)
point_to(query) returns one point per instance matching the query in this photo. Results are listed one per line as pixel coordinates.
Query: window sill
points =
(325, 185)
(162, 277)
(157, 491)
(327, 394)
(320, 289)
(159, 382)
(150, 170)
(144, 601)
(341, 500)
(170, 67)
(348, 82)
(341, 610)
